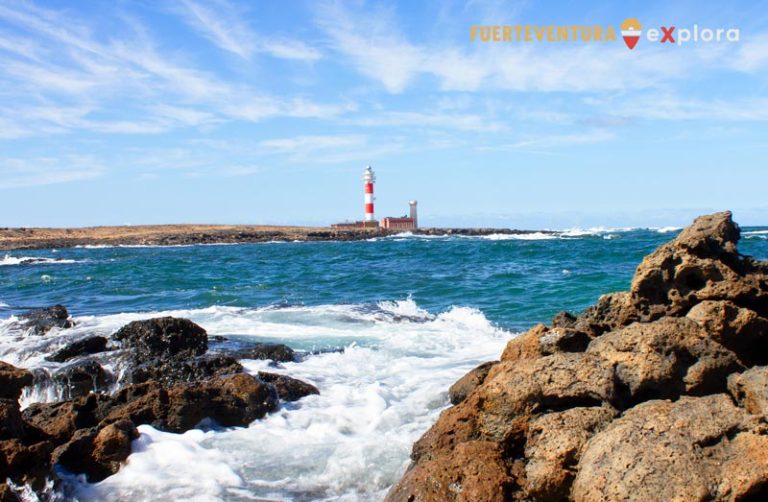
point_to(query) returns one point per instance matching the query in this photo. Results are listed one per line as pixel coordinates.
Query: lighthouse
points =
(368, 180)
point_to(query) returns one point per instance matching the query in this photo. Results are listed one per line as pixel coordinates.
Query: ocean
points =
(391, 323)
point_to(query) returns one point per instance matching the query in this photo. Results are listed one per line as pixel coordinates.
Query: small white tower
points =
(414, 215)
(369, 178)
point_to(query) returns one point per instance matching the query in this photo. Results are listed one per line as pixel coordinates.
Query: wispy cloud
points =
(21, 172)
(127, 83)
(545, 143)
(223, 24)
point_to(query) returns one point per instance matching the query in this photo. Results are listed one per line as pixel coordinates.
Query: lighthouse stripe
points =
(368, 198)
(369, 208)
(369, 188)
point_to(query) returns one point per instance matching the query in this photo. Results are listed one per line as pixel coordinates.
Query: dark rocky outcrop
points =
(658, 393)
(86, 346)
(163, 337)
(41, 321)
(275, 351)
(288, 388)
(169, 371)
(171, 384)
(81, 377)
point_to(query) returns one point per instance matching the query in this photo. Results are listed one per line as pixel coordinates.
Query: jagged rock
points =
(275, 351)
(81, 377)
(700, 264)
(740, 329)
(512, 392)
(60, 420)
(553, 448)
(564, 320)
(750, 390)
(288, 388)
(25, 463)
(675, 451)
(170, 371)
(474, 472)
(163, 337)
(11, 423)
(665, 359)
(41, 321)
(574, 411)
(97, 452)
(469, 382)
(234, 400)
(86, 346)
(611, 311)
(13, 380)
(525, 346)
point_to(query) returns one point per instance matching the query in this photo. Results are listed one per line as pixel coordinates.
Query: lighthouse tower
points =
(368, 180)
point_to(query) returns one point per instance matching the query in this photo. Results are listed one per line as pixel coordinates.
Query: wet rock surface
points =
(167, 380)
(657, 393)
(86, 346)
(41, 321)
(288, 388)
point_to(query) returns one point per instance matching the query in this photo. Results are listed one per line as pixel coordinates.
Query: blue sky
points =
(267, 112)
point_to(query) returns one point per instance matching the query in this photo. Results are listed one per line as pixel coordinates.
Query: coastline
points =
(190, 234)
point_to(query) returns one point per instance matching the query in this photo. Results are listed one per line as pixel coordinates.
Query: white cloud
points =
(550, 141)
(752, 55)
(21, 172)
(224, 25)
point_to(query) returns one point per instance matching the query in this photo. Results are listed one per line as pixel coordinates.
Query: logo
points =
(631, 32)
(631, 29)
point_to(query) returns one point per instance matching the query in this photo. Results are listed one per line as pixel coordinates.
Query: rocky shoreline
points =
(167, 378)
(175, 235)
(658, 393)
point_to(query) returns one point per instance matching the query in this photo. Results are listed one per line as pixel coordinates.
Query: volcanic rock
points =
(81, 377)
(469, 382)
(288, 388)
(12, 381)
(41, 321)
(275, 351)
(163, 337)
(658, 393)
(170, 371)
(86, 346)
(97, 452)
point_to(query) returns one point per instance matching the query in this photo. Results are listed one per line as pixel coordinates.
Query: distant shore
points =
(170, 235)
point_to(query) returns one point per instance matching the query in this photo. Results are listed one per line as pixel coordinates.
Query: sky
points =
(192, 111)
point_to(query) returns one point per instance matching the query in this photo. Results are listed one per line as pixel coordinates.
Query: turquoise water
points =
(513, 282)
(411, 315)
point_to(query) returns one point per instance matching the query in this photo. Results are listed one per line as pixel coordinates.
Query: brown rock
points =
(97, 453)
(665, 359)
(12, 381)
(11, 424)
(59, 421)
(474, 472)
(525, 346)
(700, 264)
(288, 388)
(469, 382)
(750, 390)
(499, 410)
(553, 448)
(665, 451)
(740, 329)
(164, 337)
(25, 463)
(611, 311)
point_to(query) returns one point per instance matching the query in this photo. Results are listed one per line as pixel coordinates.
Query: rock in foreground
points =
(658, 393)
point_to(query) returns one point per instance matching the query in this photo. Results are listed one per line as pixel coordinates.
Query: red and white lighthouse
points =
(368, 180)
